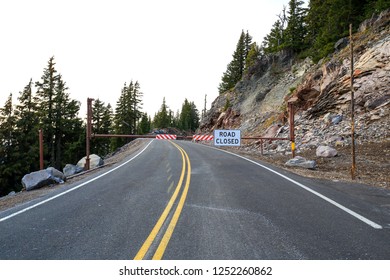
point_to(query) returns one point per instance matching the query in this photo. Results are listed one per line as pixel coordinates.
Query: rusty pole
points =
(291, 122)
(89, 132)
(40, 149)
(353, 168)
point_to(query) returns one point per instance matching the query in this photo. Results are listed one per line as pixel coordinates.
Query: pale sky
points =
(176, 49)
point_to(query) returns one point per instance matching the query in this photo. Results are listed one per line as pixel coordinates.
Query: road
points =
(181, 200)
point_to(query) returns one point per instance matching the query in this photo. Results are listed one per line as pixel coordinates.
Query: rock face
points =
(71, 169)
(42, 178)
(321, 92)
(95, 161)
(301, 162)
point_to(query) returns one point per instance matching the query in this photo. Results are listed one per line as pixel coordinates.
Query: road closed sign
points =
(227, 137)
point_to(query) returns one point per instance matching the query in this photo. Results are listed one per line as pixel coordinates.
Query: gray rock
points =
(341, 44)
(71, 169)
(56, 173)
(301, 162)
(326, 151)
(39, 179)
(95, 161)
(337, 119)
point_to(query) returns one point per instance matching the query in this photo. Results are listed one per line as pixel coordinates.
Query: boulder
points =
(341, 44)
(94, 161)
(301, 162)
(42, 178)
(71, 169)
(326, 151)
(337, 119)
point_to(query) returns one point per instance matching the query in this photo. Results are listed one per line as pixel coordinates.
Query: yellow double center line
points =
(172, 224)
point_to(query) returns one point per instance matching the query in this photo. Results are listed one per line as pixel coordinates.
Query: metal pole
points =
(261, 147)
(40, 149)
(89, 132)
(353, 168)
(291, 121)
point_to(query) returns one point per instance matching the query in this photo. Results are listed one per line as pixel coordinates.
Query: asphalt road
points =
(180, 200)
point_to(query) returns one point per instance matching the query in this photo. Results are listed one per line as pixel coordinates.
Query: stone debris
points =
(299, 161)
(94, 161)
(326, 151)
(41, 178)
(71, 169)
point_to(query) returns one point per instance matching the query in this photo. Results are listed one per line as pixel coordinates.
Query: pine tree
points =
(248, 44)
(101, 124)
(27, 126)
(8, 150)
(58, 118)
(45, 98)
(235, 68)
(161, 119)
(296, 27)
(274, 41)
(121, 118)
(189, 116)
(376, 7)
(252, 57)
(137, 104)
(127, 113)
(145, 125)
(328, 20)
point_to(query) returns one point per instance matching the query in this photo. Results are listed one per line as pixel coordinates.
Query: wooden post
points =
(353, 168)
(40, 149)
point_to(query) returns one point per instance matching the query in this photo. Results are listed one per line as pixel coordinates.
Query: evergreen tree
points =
(137, 104)
(45, 98)
(68, 126)
(296, 28)
(252, 57)
(145, 124)
(127, 113)
(58, 117)
(248, 44)
(328, 20)
(235, 68)
(8, 150)
(27, 126)
(274, 41)
(161, 119)
(101, 124)
(189, 116)
(121, 119)
(376, 7)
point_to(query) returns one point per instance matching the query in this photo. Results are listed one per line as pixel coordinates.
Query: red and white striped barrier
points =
(202, 138)
(166, 136)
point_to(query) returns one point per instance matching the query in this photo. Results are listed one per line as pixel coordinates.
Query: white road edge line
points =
(74, 188)
(349, 211)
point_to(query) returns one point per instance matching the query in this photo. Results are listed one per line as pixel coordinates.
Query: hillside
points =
(258, 105)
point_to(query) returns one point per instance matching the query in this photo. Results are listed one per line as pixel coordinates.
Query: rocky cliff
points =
(258, 104)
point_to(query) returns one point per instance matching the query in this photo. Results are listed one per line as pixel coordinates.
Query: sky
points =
(175, 49)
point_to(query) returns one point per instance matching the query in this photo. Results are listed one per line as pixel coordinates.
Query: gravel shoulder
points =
(372, 163)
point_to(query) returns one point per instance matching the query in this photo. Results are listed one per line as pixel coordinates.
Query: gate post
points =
(291, 122)
(89, 132)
